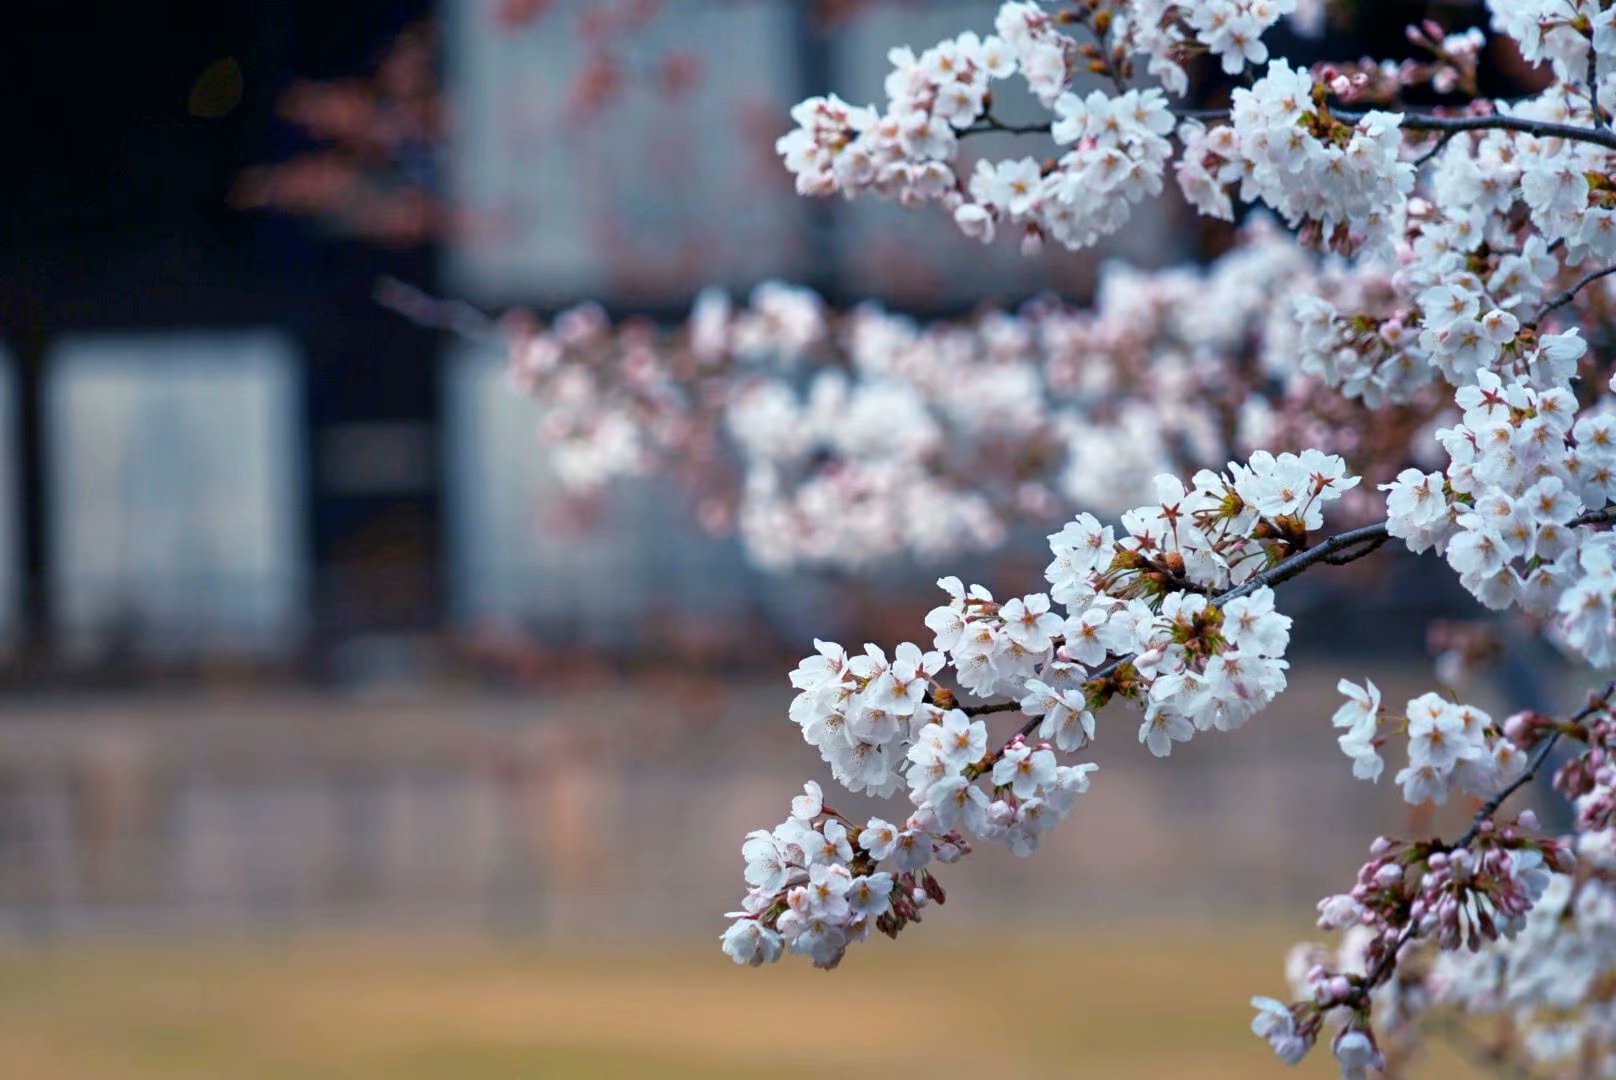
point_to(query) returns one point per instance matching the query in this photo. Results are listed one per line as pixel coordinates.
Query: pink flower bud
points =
(1518, 728)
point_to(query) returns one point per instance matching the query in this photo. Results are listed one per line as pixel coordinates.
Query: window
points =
(174, 480)
(519, 556)
(10, 508)
(685, 187)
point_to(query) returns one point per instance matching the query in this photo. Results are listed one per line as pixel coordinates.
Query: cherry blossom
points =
(1401, 349)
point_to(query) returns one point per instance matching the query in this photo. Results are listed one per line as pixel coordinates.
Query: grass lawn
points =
(1142, 1001)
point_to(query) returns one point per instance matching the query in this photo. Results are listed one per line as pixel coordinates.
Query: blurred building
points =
(178, 377)
(215, 443)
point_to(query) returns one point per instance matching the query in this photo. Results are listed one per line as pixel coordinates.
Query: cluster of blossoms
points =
(1119, 146)
(1516, 512)
(1589, 781)
(1473, 896)
(1478, 263)
(1549, 981)
(827, 438)
(1551, 977)
(1174, 616)
(1345, 181)
(819, 881)
(1449, 744)
(1577, 37)
(844, 454)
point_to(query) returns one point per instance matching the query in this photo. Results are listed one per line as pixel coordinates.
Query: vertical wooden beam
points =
(29, 337)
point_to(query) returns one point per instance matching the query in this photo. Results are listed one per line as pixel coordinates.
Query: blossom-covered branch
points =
(1457, 268)
(1336, 550)
(1395, 308)
(1192, 660)
(1476, 891)
(1447, 125)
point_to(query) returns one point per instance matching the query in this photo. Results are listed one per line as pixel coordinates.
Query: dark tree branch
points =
(989, 122)
(1446, 126)
(998, 706)
(1336, 550)
(1454, 125)
(1369, 544)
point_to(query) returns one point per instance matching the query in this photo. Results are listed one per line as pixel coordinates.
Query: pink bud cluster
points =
(1589, 780)
(1464, 896)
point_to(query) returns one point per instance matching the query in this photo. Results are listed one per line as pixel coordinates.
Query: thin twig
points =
(1490, 807)
(1109, 60)
(423, 309)
(1562, 299)
(1596, 703)
(1436, 148)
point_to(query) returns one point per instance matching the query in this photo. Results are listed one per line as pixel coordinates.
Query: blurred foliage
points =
(374, 157)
